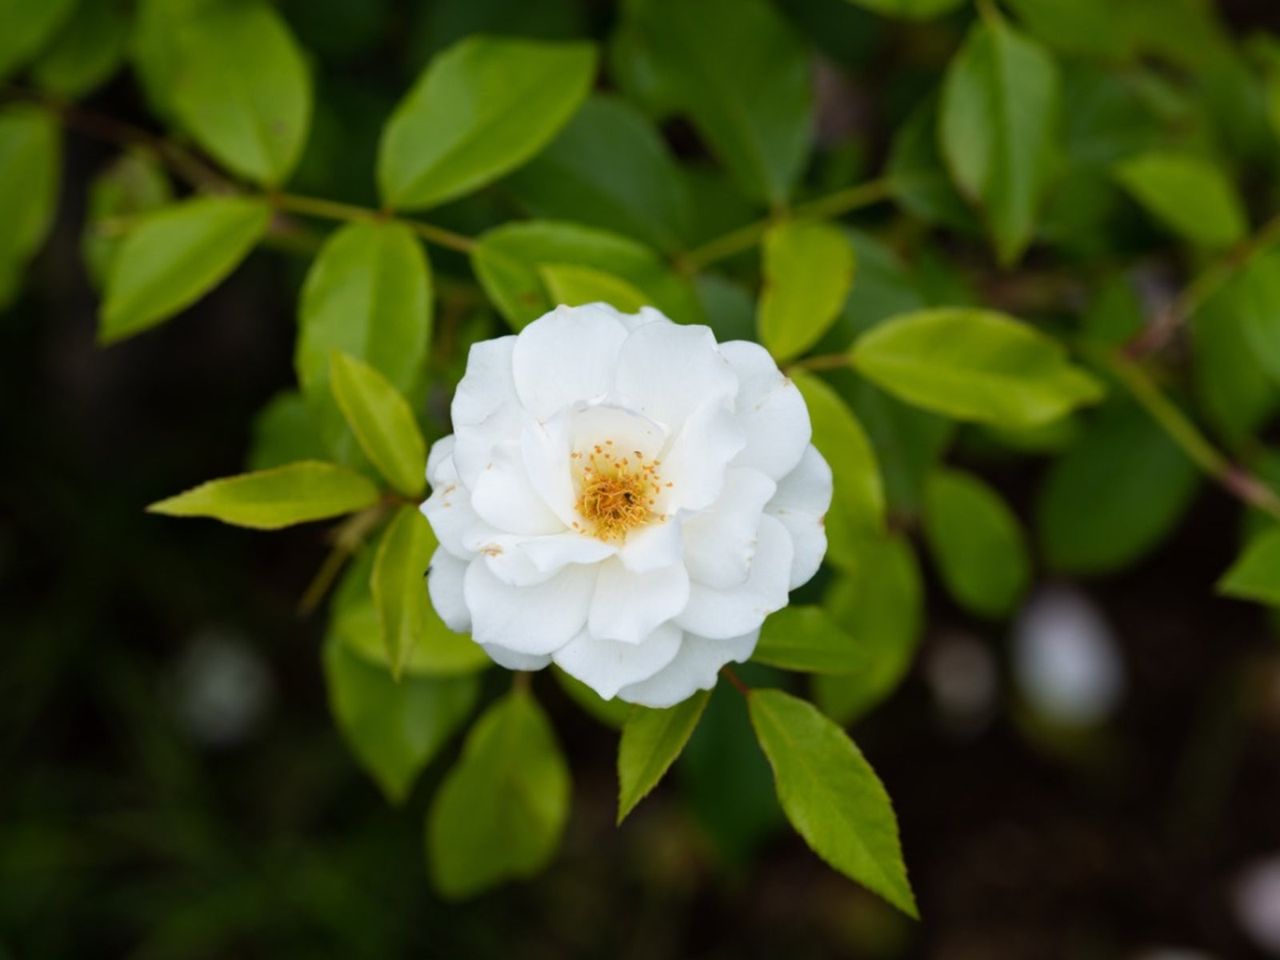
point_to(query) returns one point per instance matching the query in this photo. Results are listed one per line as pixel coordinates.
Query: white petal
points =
(720, 542)
(487, 386)
(770, 409)
(545, 449)
(618, 430)
(667, 371)
(565, 356)
(694, 466)
(512, 660)
(505, 499)
(454, 523)
(629, 606)
(694, 668)
(651, 547)
(607, 665)
(537, 619)
(742, 608)
(525, 561)
(802, 500)
(444, 585)
(440, 466)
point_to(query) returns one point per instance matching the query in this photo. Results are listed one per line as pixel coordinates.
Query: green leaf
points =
(808, 639)
(26, 26)
(30, 168)
(241, 88)
(509, 261)
(271, 499)
(919, 176)
(174, 256)
(284, 431)
(976, 542)
(574, 285)
(1256, 573)
(857, 506)
(368, 294)
(393, 728)
(1114, 495)
(382, 421)
(609, 168)
(354, 619)
(133, 185)
(1084, 27)
(612, 713)
(398, 584)
(880, 603)
(976, 365)
(740, 71)
(998, 117)
(808, 272)
(87, 50)
(481, 109)
(1188, 194)
(831, 795)
(651, 742)
(501, 810)
(909, 9)
(1256, 295)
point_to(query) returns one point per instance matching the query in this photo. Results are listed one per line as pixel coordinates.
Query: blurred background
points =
(1099, 779)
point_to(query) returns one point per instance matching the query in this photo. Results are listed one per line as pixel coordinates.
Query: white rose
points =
(625, 497)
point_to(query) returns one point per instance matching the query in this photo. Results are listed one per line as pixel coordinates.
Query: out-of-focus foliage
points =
(1063, 260)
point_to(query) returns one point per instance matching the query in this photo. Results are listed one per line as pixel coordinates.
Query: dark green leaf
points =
(998, 118)
(651, 742)
(30, 167)
(831, 795)
(977, 543)
(284, 431)
(909, 9)
(608, 168)
(26, 26)
(270, 499)
(612, 713)
(382, 422)
(174, 256)
(87, 50)
(134, 184)
(808, 271)
(1114, 495)
(398, 584)
(394, 728)
(974, 365)
(502, 808)
(481, 109)
(737, 68)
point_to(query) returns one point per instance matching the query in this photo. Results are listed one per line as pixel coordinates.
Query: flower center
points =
(616, 491)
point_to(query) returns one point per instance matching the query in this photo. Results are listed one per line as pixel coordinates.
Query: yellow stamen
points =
(615, 495)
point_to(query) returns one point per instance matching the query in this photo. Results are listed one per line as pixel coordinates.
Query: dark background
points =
(171, 784)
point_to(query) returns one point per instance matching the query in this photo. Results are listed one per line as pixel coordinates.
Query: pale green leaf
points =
(368, 294)
(482, 108)
(831, 795)
(977, 543)
(174, 256)
(1256, 573)
(398, 584)
(998, 117)
(973, 364)
(651, 742)
(394, 728)
(383, 423)
(501, 810)
(509, 261)
(573, 285)
(280, 497)
(808, 271)
(133, 185)
(808, 639)
(241, 88)
(1188, 194)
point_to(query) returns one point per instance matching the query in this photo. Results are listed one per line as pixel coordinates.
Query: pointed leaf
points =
(30, 161)
(831, 795)
(398, 584)
(573, 285)
(281, 497)
(808, 271)
(651, 742)
(1189, 195)
(482, 108)
(382, 421)
(1256, 573)
(174, 256)
(809, 640)
(501, 810)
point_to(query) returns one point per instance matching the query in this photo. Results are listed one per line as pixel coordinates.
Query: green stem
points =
(746, 237)
(1179, 428)
(823, 361)
(349, 212)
